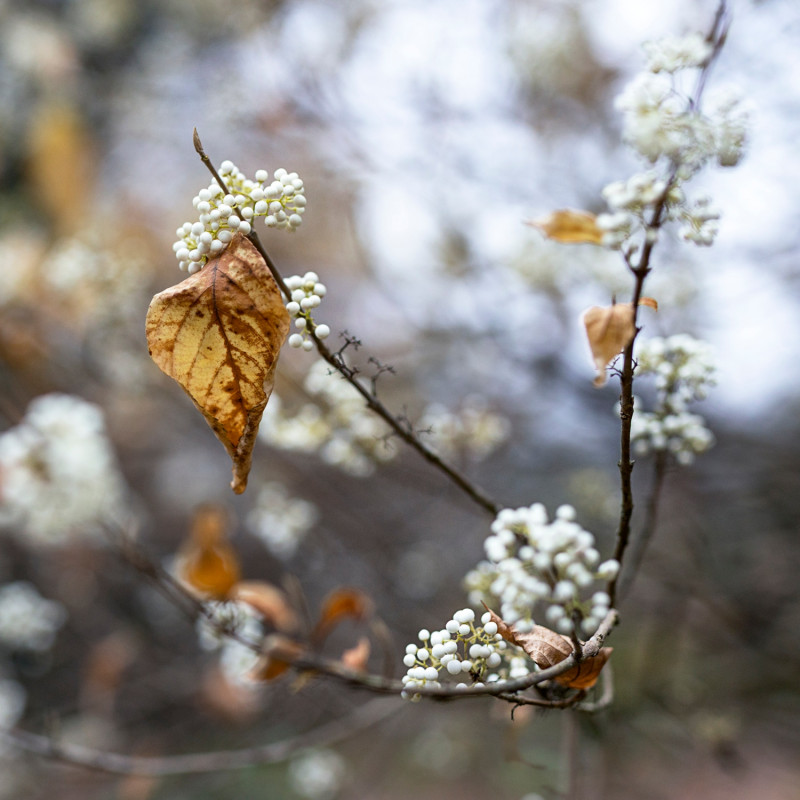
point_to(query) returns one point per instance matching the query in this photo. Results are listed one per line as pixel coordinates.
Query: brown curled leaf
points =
(650, 302)
(356, 657)
(269, 601)
(206, 561)
(338, 605)
(569, 227)
(218, 334)
(586, 673)
(280, 653)
(546, 648)
(609, 330)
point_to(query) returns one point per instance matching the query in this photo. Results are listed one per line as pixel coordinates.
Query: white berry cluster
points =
(337, 426)
(553, 565)
(58, 472)
(280, 202)
(684, 371)
(461, 649)
(307, 293)
(474, 430)
(670, 131)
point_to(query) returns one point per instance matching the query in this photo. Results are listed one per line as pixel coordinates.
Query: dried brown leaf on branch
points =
(207, 562)
(356, 657)
(280, 653)
(609, 329)
(546, 648)
(338, 605)
(270, 602)
(218, 334)
(569, 227)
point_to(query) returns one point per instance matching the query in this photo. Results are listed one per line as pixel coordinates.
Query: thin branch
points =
(640, 271)
(198, 146)
(639, 546)
(121, 764)
(379, 683)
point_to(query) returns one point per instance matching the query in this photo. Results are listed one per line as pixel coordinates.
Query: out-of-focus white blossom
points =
(279, 520)
(531, 561)
(317, 774)
(474, 430)
(673, 53)
(684, 370)
(237, 660)
(281, 202)
(27, 620)
(58, 475)
(338, 426)
(678, 137)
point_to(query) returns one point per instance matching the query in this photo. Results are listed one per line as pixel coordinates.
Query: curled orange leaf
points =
(338, 605)
(207, 562)
(218, 334)
(269, 601)
(546, 648)
(356, 657)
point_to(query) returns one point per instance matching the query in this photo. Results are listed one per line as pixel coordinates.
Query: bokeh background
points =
(425, 132)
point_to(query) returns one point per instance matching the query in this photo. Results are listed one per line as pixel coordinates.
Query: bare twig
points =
(639, 546)
(475, 493)
(640, 271)
(121, 764)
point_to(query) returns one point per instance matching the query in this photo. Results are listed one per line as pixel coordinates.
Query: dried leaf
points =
(570, 227)
(207, 562)
(546, 648)
(338, 605)
(281, 652)
(218, 334)
(609, 329)
(585, 675)
(650, 302)
(269, 601)
(356, 657)
(59, 143)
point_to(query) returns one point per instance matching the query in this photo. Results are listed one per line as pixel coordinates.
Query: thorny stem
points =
(640, 271)
(474, 492)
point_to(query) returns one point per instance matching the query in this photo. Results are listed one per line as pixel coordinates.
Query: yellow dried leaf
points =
(59, 144)
(609, 329)
(207, 562)
(570, 227)
(269, 601)
(218, 334)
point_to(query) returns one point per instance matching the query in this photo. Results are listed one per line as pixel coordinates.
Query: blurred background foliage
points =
(425, 133)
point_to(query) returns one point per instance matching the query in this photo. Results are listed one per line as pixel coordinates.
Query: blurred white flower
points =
(318, 774)
(27, 620)
(279, 520)
(58, 475)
